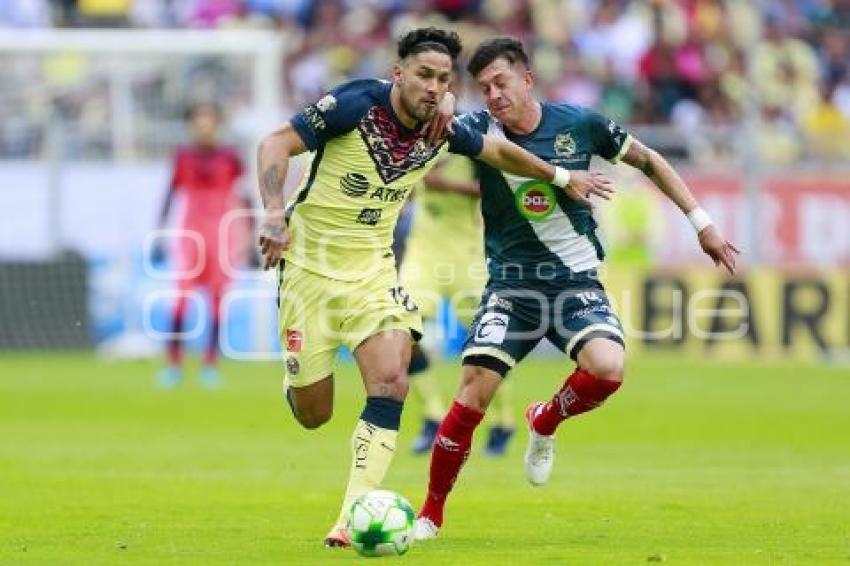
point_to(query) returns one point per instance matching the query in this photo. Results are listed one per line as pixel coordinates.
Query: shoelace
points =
(541, 451)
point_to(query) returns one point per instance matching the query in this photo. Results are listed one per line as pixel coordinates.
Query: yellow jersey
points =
(366, 163)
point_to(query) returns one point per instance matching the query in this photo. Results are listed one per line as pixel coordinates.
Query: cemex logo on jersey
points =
(492, 328)
(535, 200)
(294, 341)
(369, 216)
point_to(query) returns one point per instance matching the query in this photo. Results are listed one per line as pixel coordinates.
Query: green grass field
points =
(691, 463)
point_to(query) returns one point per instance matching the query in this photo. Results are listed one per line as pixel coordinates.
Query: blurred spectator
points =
(826, 129)
(834, 55)
(618, 97)
(785, 69)
(103, 13)
(573, 84)
(777, 138)
(213, 13)
(841, 96)
(655, 62)
(617, 35)
(658, 69)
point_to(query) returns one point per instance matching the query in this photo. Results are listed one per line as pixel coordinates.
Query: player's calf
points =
(312, 406)
(454, 438)
(581, 392)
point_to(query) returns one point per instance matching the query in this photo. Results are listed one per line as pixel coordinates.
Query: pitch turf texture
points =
(690, 463)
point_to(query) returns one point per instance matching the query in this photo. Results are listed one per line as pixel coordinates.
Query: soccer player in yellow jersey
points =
(331, 244)
(445, 259)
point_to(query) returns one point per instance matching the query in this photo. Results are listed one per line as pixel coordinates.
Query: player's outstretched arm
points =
(662, 174)
(272, 163)
(579, 185)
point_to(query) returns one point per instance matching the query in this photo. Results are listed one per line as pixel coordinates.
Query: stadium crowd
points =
(700, 65)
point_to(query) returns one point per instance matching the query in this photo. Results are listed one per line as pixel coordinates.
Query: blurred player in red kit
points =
(205, 181)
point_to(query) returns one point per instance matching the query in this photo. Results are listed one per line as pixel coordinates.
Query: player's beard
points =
(421, 112)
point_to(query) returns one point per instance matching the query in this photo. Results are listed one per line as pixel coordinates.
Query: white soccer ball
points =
(381, 524)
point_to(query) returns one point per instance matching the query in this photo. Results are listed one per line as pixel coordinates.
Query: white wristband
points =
(699, 219)
(561, 178)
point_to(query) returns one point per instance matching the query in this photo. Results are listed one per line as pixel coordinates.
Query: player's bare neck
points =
(406, 119)
(528, 121)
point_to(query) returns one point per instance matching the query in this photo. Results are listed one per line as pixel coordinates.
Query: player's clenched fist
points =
(274, 238)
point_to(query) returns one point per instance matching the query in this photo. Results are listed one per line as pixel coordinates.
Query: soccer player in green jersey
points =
(331, 244)
(542, 257)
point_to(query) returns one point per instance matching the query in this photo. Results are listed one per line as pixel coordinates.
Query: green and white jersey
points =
(532, 230)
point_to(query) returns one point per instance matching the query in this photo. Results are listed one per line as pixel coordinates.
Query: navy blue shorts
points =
(511, 321)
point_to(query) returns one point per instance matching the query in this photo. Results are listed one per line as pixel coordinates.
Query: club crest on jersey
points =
(535, 200)
(565, 145)
(293, 367)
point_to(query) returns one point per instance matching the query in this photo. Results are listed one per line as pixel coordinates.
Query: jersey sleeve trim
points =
(304, 132)
(627, 143)
(465, 140)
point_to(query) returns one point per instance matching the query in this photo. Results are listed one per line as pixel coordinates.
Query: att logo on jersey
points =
(354, 185)
(386, 194)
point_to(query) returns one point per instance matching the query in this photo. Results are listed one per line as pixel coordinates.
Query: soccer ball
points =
(381, 524)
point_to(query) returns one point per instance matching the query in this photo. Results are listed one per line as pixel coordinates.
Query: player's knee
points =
(604, 364)
(609, 367)
(391, 381)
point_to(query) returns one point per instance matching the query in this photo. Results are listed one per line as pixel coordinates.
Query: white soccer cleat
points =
(424, 529)
(540, 452)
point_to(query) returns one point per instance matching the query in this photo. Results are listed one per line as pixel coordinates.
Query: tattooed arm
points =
(272, 163)
(662, 174)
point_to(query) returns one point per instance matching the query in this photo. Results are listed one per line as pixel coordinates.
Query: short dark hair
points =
(429, 39)
(508, 48)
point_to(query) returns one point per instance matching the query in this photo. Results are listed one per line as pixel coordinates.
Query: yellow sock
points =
(372, 450)
(428, 391)
(503, 403)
